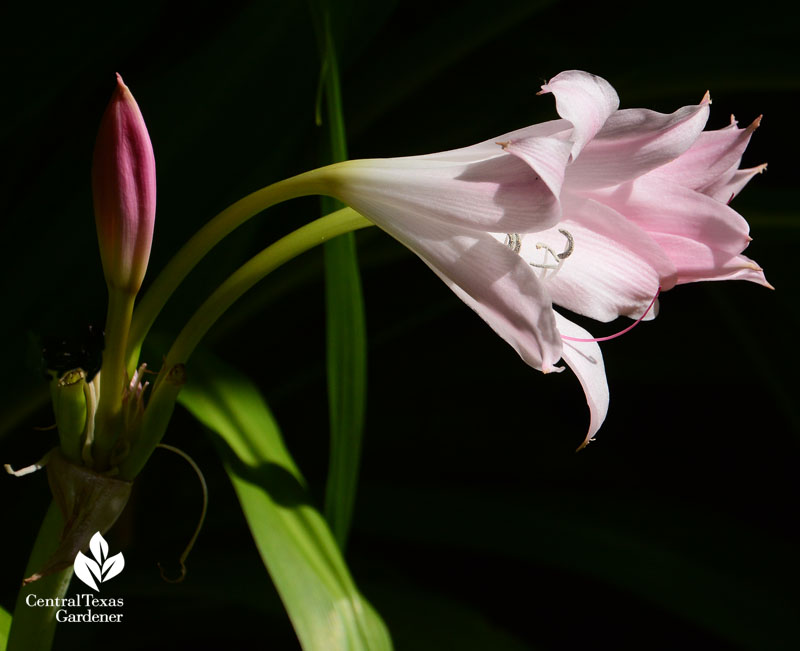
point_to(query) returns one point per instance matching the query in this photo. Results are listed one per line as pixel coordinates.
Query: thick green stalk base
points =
(33, 628)
(113, 377)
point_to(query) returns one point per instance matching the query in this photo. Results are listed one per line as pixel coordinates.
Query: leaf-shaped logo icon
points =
(113, 566)
(98, 547)
(84, 570)
(101, 568)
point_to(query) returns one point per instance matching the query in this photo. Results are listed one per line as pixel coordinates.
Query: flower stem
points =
(112, 375)
(33, 628)
(255, 269)
(201, 243)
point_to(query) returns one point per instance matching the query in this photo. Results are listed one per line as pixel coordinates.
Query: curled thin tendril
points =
(182, 559)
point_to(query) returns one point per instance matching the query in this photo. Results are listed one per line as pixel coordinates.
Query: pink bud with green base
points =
(124, 191)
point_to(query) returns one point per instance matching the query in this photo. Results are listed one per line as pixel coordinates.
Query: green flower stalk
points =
(93, 418)
(108, 422)
(95, 410)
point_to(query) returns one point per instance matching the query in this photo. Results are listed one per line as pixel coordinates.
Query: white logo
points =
(102, 567)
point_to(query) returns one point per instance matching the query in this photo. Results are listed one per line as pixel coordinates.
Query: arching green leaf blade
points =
(5, 627)
(295, 543)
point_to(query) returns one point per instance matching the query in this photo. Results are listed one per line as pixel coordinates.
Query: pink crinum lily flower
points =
(596, 212)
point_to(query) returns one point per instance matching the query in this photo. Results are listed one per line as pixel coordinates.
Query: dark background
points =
(477, 525)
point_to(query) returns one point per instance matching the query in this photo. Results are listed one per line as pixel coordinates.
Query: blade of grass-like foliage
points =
(5, 625)
(347, 384)
(297, 547)
(344, 311)
(33, 628)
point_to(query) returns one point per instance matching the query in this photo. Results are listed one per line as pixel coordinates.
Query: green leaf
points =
(5, 627)
(33, 628)
(295, 543)
(347, 380)
(344, 311)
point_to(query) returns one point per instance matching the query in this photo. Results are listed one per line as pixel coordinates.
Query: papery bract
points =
(124, 191)
(596, 212)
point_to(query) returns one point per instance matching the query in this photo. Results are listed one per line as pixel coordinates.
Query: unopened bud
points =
(124, 190)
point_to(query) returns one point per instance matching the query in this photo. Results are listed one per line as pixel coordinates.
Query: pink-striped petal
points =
(498, 193)
(490, 278)
(658, 206)
(727, 187)
(635, 141)
(714, 156)
(586, 361)
(548, 157)
(488, 148)
(696, 261)
(615, 268)
(585, 100)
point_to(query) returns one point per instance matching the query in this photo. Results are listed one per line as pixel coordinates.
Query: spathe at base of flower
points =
(89, 502)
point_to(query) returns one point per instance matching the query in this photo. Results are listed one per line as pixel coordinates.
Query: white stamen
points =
(557, 257)
(27, 470)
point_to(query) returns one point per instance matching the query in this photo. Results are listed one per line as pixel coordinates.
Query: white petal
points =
(498, 193)
(488, 148)
(635, 141)
(585, 100)
(548, 157)
(586, 361)
(493, 281)
(729, 185)
(713, 157)
(659, 206)
(615, 268)
(698, 261)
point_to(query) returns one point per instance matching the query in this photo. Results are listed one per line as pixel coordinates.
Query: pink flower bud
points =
(124, 190)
